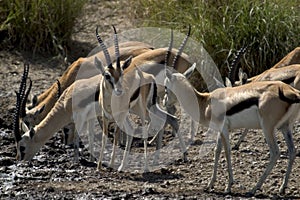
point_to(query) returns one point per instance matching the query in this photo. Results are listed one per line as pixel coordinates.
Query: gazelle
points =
(128, 87)
(247, 106)
(63, 112)
(286, 70)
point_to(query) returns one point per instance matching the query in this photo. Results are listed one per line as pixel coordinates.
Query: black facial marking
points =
(242, 106)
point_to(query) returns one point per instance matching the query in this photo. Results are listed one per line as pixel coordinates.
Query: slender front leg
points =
(218, 150)
(104, 141)
(193, 130)
(126, 153)
(76, 146)
(128, 132)
(145, 138)
(226, 143)
(91, 125)
(115, 144)
(158, 147)
(292, 155)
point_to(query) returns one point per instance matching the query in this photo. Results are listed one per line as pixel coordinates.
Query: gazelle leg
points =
(126, 153)
(227, 148)
(292, 155)
(104, 141)
(76, 146)
(91, 126)
(158, 147)
(218, 150)
(274, 155)
(242, 137)
(115, 144)
(128, 131)
(193, 130)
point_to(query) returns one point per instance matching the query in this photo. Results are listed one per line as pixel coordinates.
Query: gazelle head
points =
(112, 75)
(170, 98)
(23, 141)
(230, 80)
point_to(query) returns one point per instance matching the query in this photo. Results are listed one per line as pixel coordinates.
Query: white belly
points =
(248, 118)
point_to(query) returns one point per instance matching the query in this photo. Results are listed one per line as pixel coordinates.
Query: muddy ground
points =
(53, 174)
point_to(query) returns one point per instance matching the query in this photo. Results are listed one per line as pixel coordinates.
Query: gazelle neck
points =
(192, 101)
(58, 117)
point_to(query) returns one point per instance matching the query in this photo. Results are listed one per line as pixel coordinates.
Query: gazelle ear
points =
(245, 78)
(127, 63)
(228, 82)
(241, 74)
(24, 127)
(34, 100)
(99, 65)
(189, 71)
(39, 111)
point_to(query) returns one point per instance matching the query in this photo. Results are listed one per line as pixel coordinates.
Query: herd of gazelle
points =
(127, 83)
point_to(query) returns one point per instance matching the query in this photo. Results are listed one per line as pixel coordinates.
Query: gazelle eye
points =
(107, 76)
(22, 148)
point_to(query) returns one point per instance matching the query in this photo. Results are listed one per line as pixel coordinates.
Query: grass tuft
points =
(40, 25)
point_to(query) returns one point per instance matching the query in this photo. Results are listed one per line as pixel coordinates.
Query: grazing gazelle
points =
(247, 106)
(75, 101)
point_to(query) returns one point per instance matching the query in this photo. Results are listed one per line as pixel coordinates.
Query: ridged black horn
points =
(16, 118)
(117, 51)
(233, 65)
(170, 46)
(58, 89)
(180, 50)
(104, 49)
(24, 100)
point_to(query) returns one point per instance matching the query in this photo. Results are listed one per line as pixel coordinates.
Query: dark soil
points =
(54, 175)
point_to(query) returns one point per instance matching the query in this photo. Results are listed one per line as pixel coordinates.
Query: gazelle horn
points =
(58, 89)
(117, 51)
(19, 99)
(104, 49)
(170, 46)
(180, 50)
(233, 65)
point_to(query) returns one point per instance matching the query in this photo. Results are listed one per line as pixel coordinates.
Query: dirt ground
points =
(53, 174)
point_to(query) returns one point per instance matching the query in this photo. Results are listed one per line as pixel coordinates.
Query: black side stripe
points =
(89, 99)
(242, 106)
(285, 99)
(154, 97)
(289, 80)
